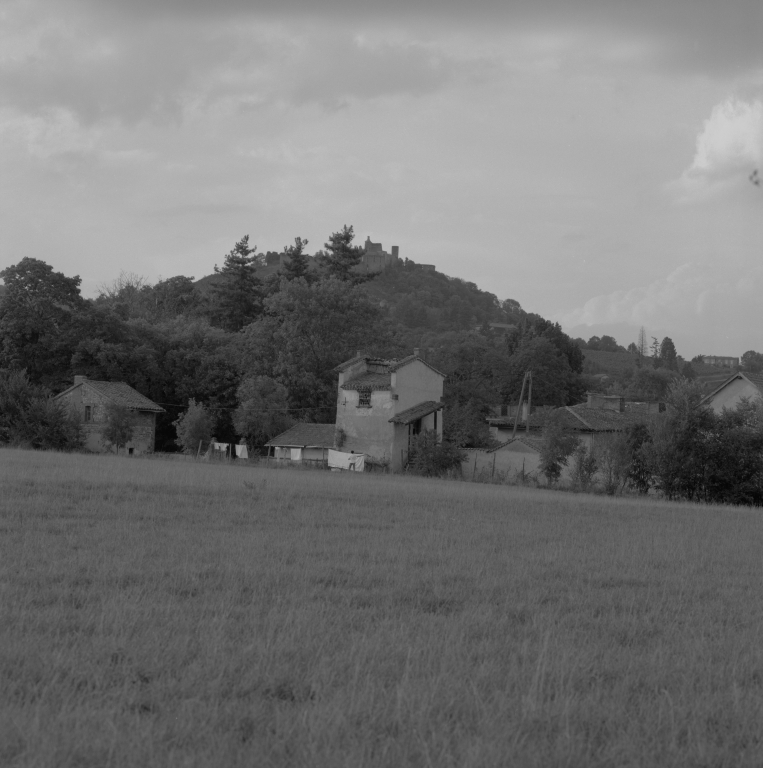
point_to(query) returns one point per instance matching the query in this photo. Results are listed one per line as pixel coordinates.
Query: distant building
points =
(734, 389)
(723, 362)
(375, 258)
(89, 400)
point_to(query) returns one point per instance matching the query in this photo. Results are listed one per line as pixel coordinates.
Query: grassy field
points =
(181, 614)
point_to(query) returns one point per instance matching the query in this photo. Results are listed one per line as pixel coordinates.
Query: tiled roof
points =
(390, 365)
(531, 442)
(306, 436)
(409, 415)
(581, 418)
(369, 381)
(537, 420)
(121, 394)
(395, 364)
(756, 379)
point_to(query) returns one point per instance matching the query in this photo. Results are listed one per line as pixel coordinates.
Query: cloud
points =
(728, 147)
(692, 303)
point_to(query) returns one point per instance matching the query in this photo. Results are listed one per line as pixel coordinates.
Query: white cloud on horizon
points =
(728, 148)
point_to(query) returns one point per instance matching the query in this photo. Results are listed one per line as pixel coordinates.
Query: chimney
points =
(416, 352)
(395, 252)
(79, 380)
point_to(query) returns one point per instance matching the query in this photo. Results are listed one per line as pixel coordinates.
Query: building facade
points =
(90, 399)
(382, 405)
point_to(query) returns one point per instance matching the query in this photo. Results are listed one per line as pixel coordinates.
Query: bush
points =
(431, 457)
(30, 417)
(193, 427)
(118, 427)
(556, 448)
(584, 467)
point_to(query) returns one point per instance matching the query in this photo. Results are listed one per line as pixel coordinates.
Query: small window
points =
(88, 413)
(504, 410)
(364, 399)
(129, 451)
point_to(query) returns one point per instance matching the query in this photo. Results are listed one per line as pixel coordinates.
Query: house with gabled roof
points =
(732, 391)
(382, 405)
(89, 399)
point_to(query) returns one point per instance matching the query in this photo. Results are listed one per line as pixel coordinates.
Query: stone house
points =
(383, 405)
(730, 393)
(89, 400)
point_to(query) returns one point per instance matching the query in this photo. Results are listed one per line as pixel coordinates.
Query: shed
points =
(303, 442)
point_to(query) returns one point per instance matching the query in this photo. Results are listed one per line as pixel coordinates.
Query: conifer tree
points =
(341, 257)
(298, 264)
(238, 294)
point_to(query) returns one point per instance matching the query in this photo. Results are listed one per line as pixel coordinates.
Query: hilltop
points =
(418, 297)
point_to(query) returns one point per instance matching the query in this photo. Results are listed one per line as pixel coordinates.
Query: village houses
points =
(734, 390)
(89, 400)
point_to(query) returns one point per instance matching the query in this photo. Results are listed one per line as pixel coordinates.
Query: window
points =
(88, 413)
(364, 398)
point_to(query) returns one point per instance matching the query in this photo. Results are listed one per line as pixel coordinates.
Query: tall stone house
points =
(382, 405)
(89, 400)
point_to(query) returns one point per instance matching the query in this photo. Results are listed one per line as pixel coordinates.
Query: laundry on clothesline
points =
(296, 454)
(354, 462)
(242, 452)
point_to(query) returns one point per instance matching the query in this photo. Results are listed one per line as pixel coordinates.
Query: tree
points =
(557, 446)
(194, 427)
(39, 320)
(752, 361)
(308, 330)
(118, 426)
(237, 296)
(341, 257)
(614, 457)
(263, 410)
(29, 417)
(676, 454)
(553, 381)
(687, 371)
(668, 354)
(298, 264)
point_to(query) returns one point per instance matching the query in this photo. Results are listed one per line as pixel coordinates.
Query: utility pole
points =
(528, 382)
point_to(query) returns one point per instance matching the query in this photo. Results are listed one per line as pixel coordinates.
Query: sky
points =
(589, 159)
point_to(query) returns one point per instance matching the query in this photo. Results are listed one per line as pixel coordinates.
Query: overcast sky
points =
(588, 159)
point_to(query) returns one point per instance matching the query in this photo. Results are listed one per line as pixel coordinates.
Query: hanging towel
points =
(242, 452)
(296, 454)
(220, 446)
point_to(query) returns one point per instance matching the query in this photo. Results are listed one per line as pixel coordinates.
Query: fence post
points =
(199, 451)
(474, 468)
(493, 471)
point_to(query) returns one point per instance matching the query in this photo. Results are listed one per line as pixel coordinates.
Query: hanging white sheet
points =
(242, 452)
(351, 461)
(296, 454)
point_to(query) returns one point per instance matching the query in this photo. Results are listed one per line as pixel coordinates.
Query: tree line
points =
(256, 347)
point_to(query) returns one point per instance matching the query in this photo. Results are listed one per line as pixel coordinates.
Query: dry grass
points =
(173, 614)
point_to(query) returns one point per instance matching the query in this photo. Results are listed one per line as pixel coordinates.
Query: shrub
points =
(193, 427)
(30, 417)
(556, 448)
(584, 467)
(431, 457)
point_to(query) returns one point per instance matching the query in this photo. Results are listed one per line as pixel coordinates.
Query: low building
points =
(383, 405)
(90, 399)
(734, 390)
(303, 442)
(722, 362)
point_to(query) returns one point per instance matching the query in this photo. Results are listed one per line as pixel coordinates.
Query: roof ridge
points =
(578, 416)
